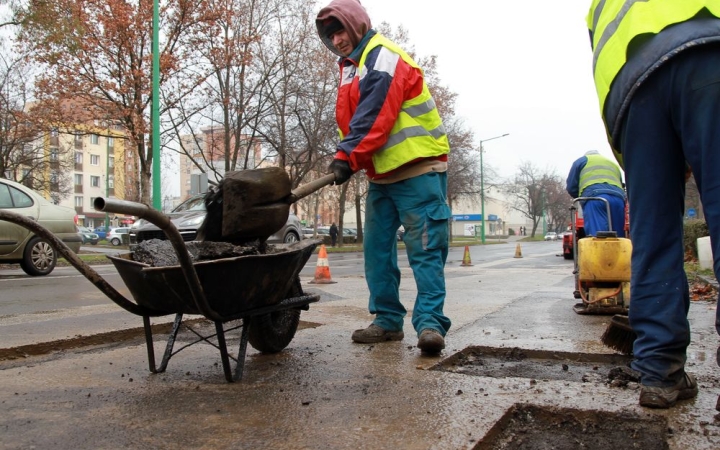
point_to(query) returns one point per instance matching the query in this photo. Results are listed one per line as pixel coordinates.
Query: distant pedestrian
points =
(333, 234)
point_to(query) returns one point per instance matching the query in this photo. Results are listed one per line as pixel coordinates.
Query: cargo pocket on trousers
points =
(436, 227)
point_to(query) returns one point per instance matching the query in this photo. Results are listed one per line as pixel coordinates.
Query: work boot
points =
(374, 334)
(665, 397)
(430, 341)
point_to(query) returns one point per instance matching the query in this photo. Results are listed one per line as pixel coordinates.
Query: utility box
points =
(705, 255)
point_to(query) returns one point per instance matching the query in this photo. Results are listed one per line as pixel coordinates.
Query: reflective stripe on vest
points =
(418, 131)
(615, 23)
(599, 169)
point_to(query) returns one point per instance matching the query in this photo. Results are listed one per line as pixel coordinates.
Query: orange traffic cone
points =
(322, 270)
(466, 258)
(518, 252)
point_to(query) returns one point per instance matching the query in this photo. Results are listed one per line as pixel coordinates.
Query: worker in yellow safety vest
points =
(391, 129)
(656, 65)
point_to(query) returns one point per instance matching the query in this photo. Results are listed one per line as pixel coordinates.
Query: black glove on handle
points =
(341, 169)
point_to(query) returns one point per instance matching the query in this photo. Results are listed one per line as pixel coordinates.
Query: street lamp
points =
(482, 187)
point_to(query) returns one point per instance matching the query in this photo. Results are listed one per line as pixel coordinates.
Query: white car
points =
(115, 236)
(551, 236)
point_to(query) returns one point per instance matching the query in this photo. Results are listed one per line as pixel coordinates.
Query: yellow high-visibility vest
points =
(615, 23)
(418, 131)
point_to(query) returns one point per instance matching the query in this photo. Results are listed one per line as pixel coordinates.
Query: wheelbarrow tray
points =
(232, 286)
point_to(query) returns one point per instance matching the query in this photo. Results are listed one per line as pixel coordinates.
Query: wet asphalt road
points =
(323, 391)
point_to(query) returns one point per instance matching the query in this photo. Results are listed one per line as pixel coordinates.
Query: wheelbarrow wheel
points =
(271, 333)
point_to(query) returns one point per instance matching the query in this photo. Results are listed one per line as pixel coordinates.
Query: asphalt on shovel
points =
(252, 204)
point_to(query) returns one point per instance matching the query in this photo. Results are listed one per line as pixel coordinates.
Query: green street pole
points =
(542, 204)
(482, 187)
(107, 186)
(482, 197)
(157, 199)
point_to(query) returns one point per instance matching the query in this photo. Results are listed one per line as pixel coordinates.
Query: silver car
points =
(18, 244)
(188, 217)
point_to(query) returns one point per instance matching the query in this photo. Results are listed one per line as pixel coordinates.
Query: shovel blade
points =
(254, 203)
(257, 222)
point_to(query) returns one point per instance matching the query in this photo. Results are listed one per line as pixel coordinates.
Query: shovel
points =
(253, 204)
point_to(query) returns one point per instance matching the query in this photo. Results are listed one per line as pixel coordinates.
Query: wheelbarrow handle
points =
(308, 188)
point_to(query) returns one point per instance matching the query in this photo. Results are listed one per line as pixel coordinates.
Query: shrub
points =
(692, 230)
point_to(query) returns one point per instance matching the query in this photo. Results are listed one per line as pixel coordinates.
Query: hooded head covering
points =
(351, 15)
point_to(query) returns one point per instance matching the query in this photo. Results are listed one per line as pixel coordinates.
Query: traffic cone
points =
(466, 258)
(322, 270)
(518, 252)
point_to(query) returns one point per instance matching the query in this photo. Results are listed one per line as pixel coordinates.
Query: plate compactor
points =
(602, 269)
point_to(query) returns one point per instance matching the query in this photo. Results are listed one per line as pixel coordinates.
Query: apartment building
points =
(103, 167)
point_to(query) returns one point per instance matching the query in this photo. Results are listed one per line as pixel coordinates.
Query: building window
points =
(94, 139)
(79, 201)
(54, 132)
(78, 157)
(111, 182)
(94, 181)
(54, 152)
(94, 160)
(78, 179)
(111, 161)
(78, 138)
(111, 142)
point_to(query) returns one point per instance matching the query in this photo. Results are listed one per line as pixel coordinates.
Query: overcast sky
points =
(521, 67)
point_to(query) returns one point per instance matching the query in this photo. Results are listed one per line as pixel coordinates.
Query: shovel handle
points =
(308, 188)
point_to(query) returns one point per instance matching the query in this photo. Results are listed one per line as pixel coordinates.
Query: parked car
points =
(189, 215)
(351, 232)
(18, 244)
(551, 236)
(101, 232)
(115, 236)
(88, 237)
(307, 232)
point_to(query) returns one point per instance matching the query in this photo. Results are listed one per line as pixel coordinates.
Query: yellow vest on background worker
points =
(599, 169)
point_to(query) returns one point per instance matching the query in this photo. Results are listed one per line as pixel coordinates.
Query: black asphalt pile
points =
(160, 253)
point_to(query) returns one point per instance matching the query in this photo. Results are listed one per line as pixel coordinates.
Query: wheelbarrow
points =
(263, 291)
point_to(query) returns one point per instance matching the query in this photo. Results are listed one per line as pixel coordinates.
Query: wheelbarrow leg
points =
(149, 343)
(243, 349)
(168, 346)
(170, 342)
(222, 345)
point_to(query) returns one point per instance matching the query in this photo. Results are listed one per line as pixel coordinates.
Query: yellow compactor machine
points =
(602, 271)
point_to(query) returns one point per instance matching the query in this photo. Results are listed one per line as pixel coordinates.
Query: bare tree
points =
(537, 195)
(97, 59)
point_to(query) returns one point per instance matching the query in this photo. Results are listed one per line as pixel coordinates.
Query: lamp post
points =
(482, 187)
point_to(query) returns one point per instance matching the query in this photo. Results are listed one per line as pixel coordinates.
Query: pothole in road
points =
(539, 364)
(531, 427)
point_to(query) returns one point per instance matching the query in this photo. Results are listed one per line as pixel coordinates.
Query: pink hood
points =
(352, 16)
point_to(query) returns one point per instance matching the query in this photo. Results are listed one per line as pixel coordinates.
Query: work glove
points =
(342, 171)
